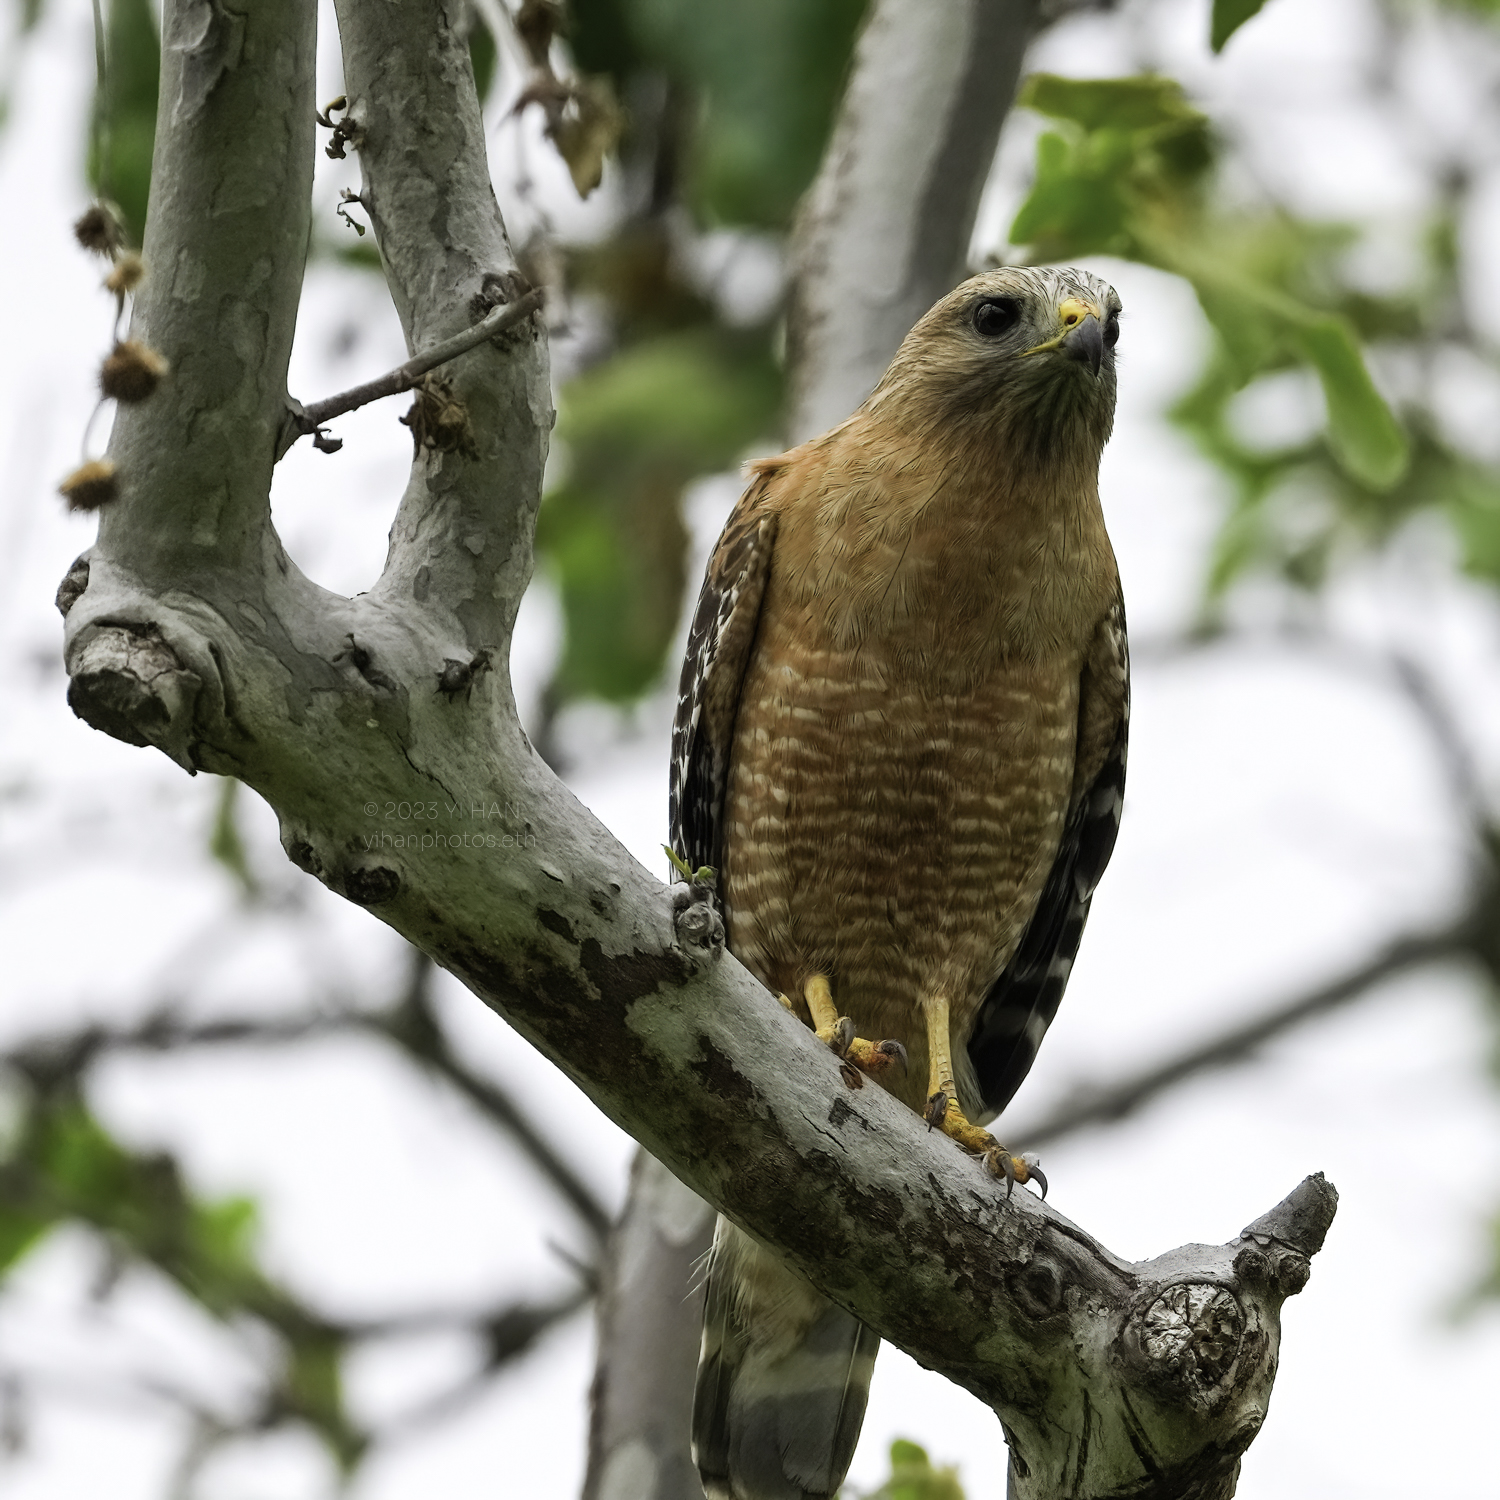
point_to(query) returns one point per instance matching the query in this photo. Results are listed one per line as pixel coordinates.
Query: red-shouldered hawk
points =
(901, 743)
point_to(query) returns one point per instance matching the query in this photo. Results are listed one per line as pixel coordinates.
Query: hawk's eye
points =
(997, 316)
(1112, 331)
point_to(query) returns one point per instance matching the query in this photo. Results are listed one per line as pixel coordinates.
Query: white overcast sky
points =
(1282, 819)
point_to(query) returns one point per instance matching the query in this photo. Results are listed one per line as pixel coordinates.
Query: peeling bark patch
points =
(554, 921)
(623, 978)
(718, 1073)
(304, 856)
(840, 1111)
(882, 1206)
(371, 885)
(210, 39)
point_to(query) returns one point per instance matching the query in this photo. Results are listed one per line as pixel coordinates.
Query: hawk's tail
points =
(783, 1378)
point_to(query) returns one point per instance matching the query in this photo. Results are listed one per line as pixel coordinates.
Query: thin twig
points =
(306, 420)
(1105, 1105)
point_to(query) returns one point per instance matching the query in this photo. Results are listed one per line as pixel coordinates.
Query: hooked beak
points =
(1085, 343)
(1082, 337)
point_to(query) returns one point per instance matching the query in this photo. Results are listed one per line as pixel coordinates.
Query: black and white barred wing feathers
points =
(718, 652)
(1023, 1001)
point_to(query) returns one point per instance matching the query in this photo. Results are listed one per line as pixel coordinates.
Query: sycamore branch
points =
(884, 230)
(189, 629)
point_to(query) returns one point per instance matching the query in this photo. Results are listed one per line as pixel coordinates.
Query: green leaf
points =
(124, 133)
(224, 841)
(482, 56)
(632, 433)
(1144, 102)
(20, 1230)
(1362, 431)
(1132, 150)
(913, 1477)
(1473, 505)
(1075, 207)
(1228, 17)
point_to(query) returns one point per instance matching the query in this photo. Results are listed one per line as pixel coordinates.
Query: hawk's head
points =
(1027, 349)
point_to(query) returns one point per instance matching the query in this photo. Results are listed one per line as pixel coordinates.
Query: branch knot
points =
(126, 681)
(696, 921)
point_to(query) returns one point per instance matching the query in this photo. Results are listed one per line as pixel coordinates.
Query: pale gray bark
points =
(884, 231)
(188, 628)
(650, 1306)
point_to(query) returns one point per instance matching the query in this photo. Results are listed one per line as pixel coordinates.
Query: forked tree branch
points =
(194, 632)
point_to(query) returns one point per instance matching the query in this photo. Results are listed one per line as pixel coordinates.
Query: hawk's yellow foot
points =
(943, 1110)
(837, 1031)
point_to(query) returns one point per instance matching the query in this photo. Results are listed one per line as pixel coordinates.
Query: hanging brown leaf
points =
(588, 132)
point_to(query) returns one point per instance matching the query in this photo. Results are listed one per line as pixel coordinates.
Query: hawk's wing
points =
(708, 699)
(1015, 1014)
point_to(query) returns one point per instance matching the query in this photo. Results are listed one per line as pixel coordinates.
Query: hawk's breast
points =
(891, 820)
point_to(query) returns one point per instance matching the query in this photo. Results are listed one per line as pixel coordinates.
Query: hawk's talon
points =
(873, 1058)
(840, 1035)
(937, 1109)
(1014, 1169)
(1034, 1168)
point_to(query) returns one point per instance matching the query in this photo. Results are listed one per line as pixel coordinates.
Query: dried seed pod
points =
(132, 371)
(127, 274)
(91, 485)
(100, 230)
